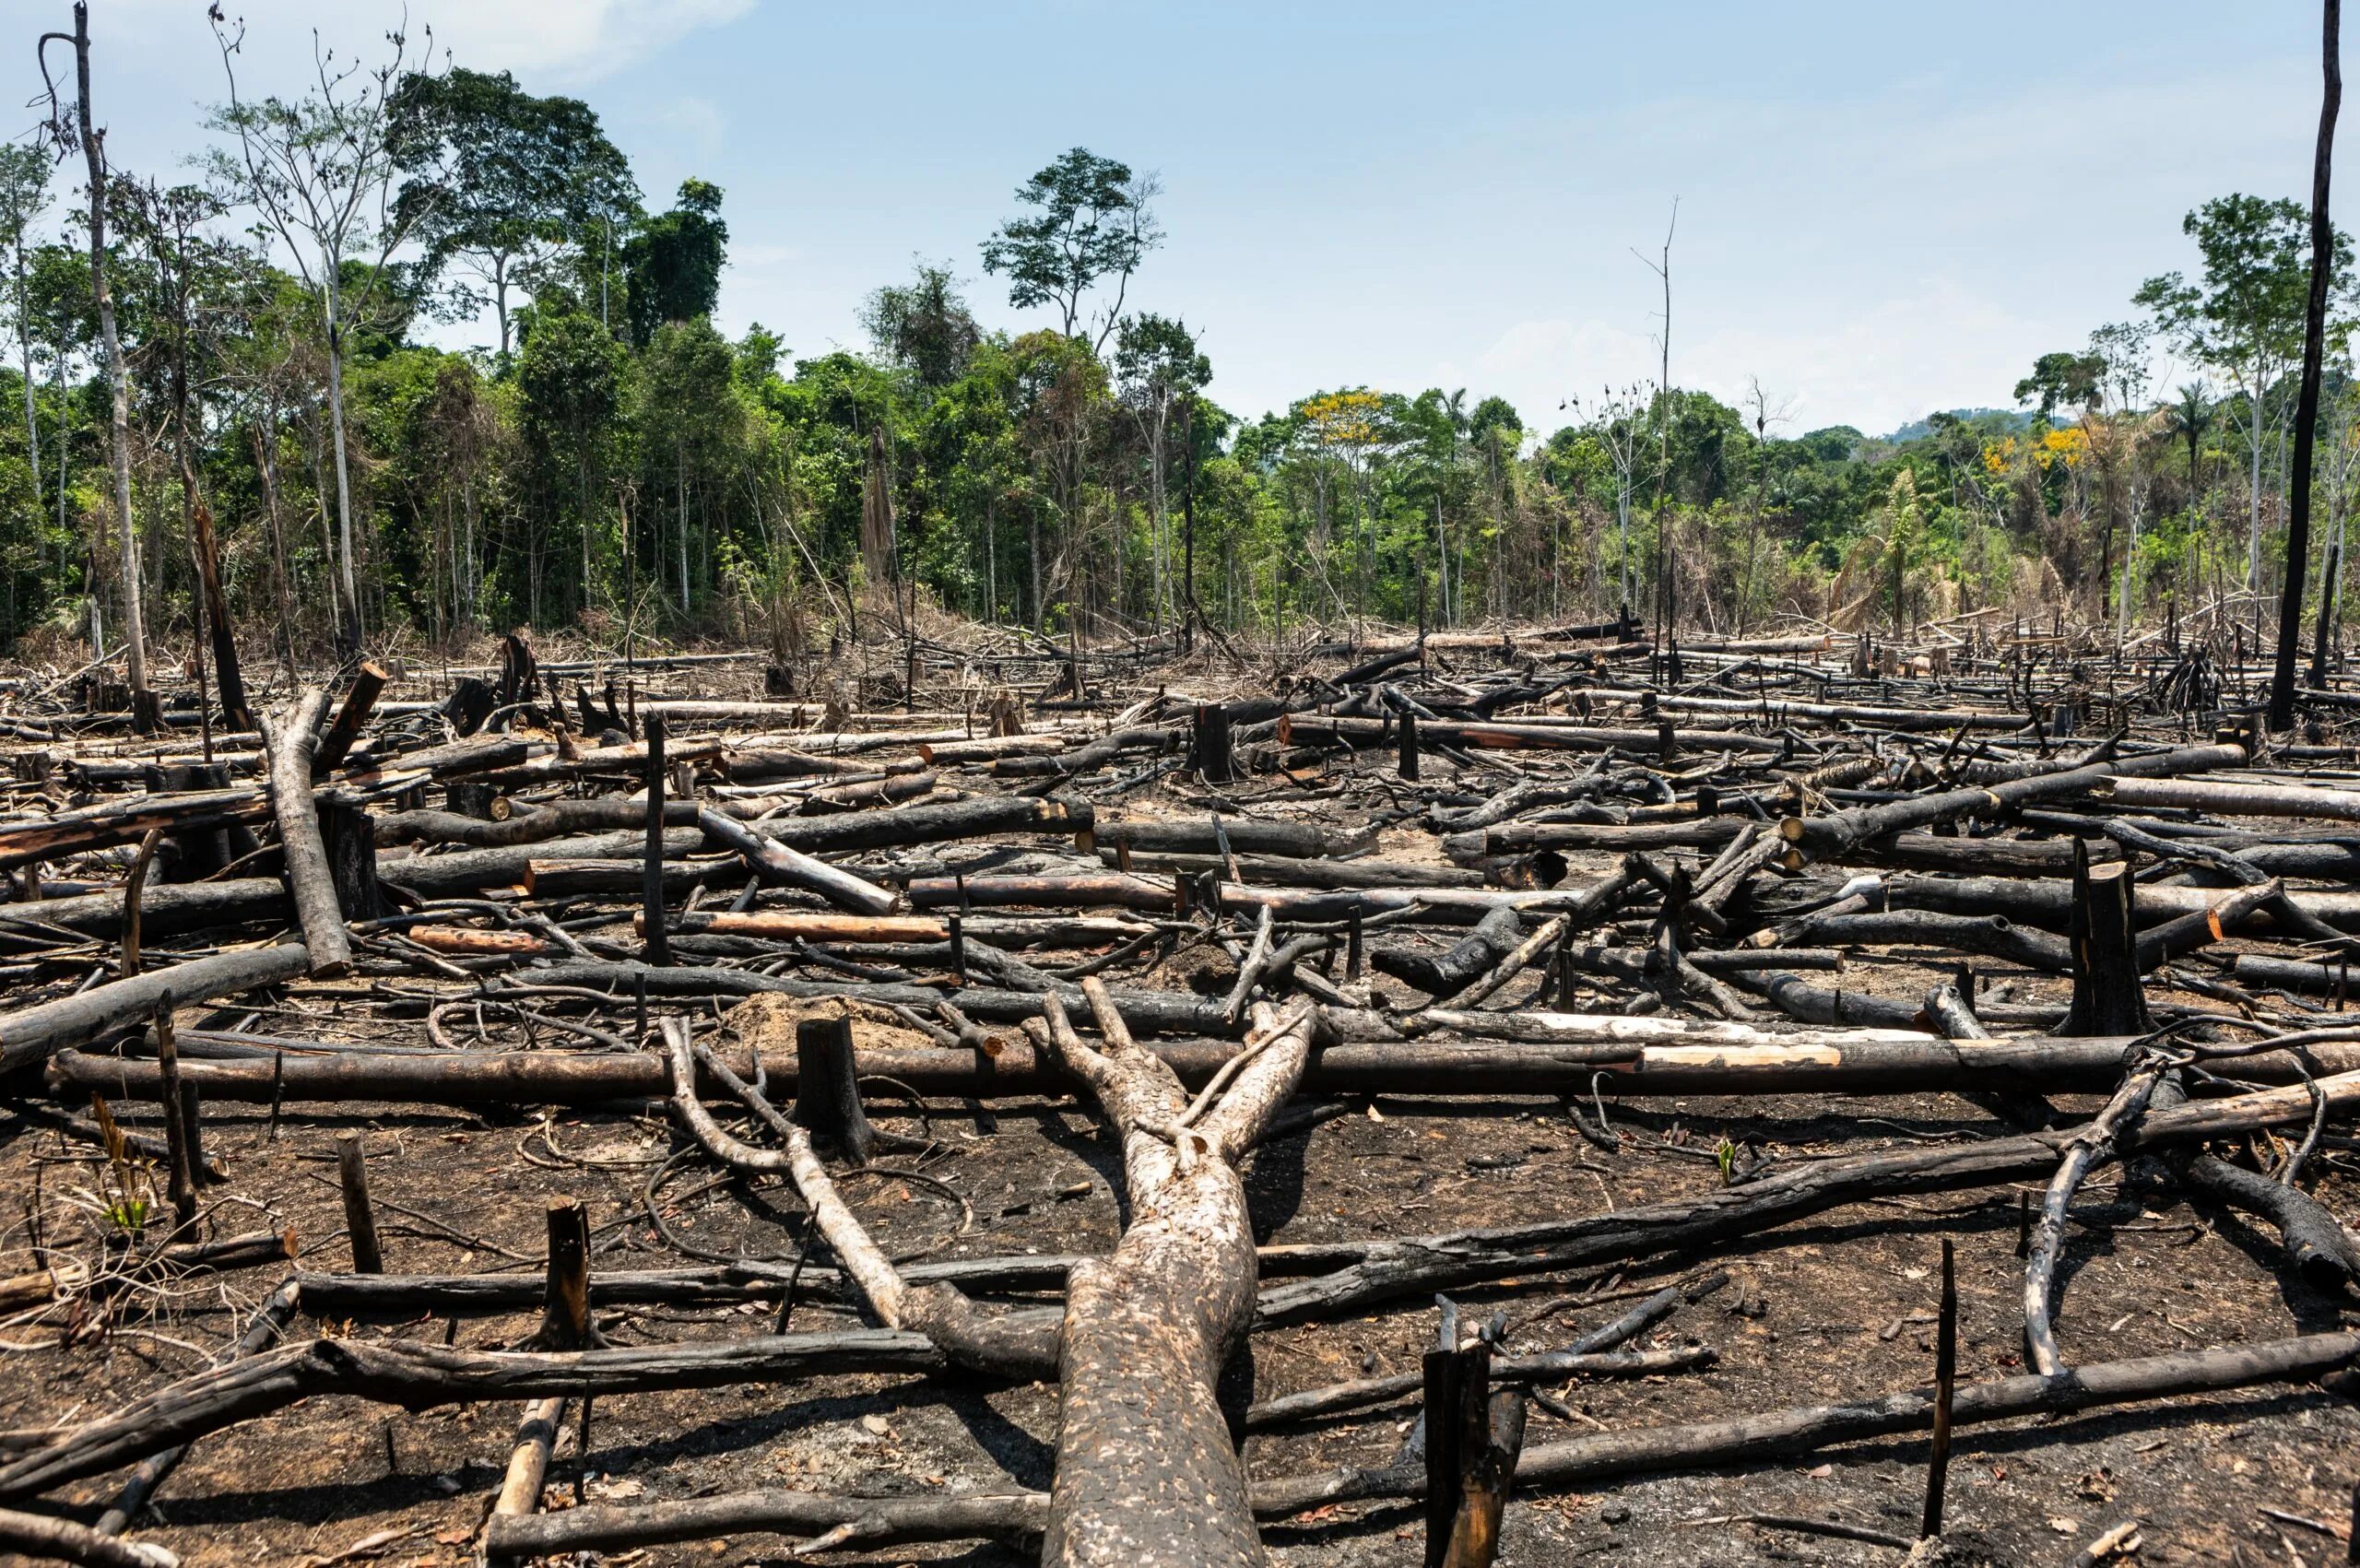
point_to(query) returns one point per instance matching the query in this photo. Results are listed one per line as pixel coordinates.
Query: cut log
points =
(310, 881)
(1840, 830)
(1146, 1472)
(1585, 1461)
(32, 1034)
(782, 866)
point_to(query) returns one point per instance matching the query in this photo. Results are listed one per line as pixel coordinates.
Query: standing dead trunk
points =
(2307, 397)
(1146, 1474)
(227, 677)
(134, 635)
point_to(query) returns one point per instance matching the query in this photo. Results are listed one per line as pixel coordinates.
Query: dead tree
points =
(1147, 1475)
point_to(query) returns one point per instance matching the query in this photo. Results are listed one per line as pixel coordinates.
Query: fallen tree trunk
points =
(1606, 1455)
(782, 866)
(1245, 835)
(1774, 1199)
(310, 882)
(536, 824)
(2224, 799)
(1581, 1461)
(417, 1377)
(30, 1034)
(790, 926)
(1832, 1062)
(1083, 889)
(899, 826)
(39, 1536)
(472, 870)
(1841, 829)
(2049, 905)
(1307, 730)
(170, 909)
(1146, 1474)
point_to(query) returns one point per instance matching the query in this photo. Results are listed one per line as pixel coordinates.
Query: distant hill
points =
(1917, 430)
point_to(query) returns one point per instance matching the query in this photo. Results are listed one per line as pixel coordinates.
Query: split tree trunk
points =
(1146, 1474)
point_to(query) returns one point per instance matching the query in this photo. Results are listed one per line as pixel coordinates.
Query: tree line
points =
(232, 419)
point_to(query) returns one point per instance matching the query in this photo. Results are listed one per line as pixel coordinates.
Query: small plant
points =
(128, 1195)
(1725, 1156)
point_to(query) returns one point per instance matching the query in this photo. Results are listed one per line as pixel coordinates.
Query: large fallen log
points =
(1830, 1062)
(1841, 829)
(1146, 1474)
(782, 865)
(1598, 1457)
(1581, 1461)
(2049, 905)
(419, 1376)
(792, 926)
(901, 826)
(2225, 799)
(30, 1034)
(1309, 730)
(536, 824)
(471, 870)
(1774, 1199)
(172, 909)
(310, 883)
(1244, 835)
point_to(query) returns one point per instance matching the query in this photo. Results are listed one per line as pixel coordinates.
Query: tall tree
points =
(570, 391)
(193, 279)
(93, 144)
(501, 181)
(1158, 371)
(2247, 317)
(2307, 402)
(320, 170)
(1093, 219)
(923, 326)
(2063, 378)
(24, 190)
(2190, 414)
(674, 263)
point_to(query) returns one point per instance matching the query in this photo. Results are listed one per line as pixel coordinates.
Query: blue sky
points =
(1883, 210)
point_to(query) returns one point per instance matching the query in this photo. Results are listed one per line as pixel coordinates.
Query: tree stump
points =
(565, 1309)
(349, 836)
(470, 703)
(1211, 758)
(2107, 996)
(827, 1088)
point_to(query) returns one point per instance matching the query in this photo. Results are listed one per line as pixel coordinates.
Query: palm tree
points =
(2188, 418)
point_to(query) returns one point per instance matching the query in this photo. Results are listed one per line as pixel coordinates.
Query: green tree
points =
(690, 420)
(320, 171)
(1159, 370)
(2061, 378)
(570, 384)
(674, 262)
(1093, 219)
(499, 180)
(24, 190)
(2246, 316)
(923, 326)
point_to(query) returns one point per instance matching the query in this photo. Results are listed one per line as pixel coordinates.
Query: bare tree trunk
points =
(25, 360)
(2307, 402)
(266, 467)
(348, 575)
(135, 630)
(1147, 1475)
